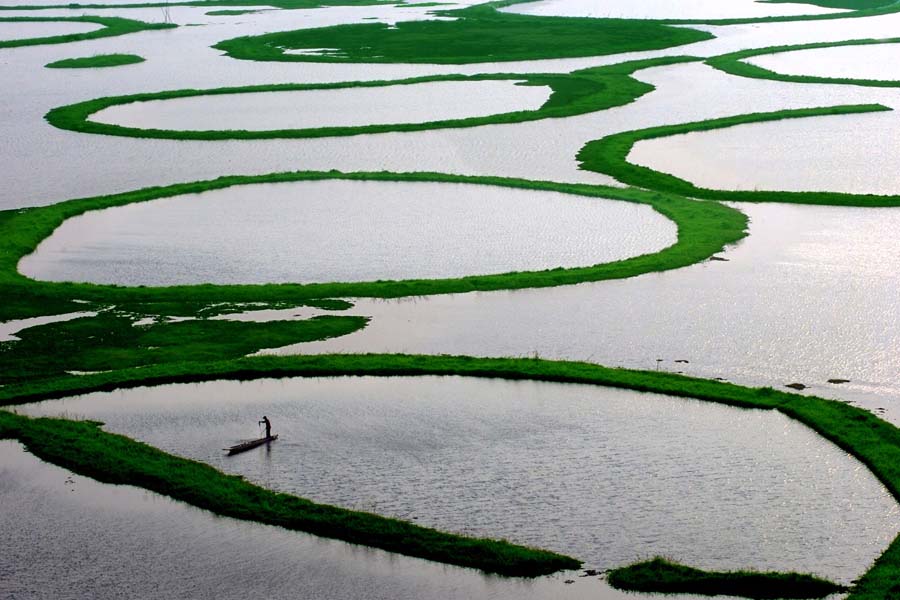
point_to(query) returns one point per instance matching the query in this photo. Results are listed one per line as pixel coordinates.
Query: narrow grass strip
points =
(575, 93)
(112, 26)
(82, 447)
(734, 64)
(704, 228)
(609, 155)
(871, 440)
(97, 61)
(667, 577)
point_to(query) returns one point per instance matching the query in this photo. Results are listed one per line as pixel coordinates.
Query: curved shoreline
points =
(111, 26)
(609, 155)
(575, 93)
(874, 442)
(704, 228)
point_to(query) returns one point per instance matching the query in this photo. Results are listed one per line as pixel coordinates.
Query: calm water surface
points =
(840, 153)
(875, 61)
(21, 31)
(606, 475)
(345, 231)
(416, 103)
(664, 9)
(68, 537)
(810, 295)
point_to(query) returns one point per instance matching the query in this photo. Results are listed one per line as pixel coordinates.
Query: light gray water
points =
(68, 537)
(664, 9)
(608, 476)
(871, 61)
(319, 231)
(415, 103)
(810, 295)
(856, 154)
(25, 30)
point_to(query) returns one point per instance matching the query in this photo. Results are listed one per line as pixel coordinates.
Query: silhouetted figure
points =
(268, 423)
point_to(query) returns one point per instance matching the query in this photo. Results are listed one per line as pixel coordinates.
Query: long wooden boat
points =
(244, 446)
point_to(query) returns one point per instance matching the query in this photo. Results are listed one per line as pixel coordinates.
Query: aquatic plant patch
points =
(96, 62)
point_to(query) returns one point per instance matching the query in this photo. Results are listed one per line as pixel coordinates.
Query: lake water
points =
(25, 30)
(416, 103)
(663, 9)
(870, 61)
(809, 296)
(608, 476)
(841, 153)
(68, 537)
(319, 231)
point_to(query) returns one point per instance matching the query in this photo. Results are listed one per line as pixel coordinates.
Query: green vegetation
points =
(576, 93)
(661, 575)
(734, 64)
(874, 442)
(609, 155)
(230, 13)
(704, 228)
(478, 34)
(96, 61)
(111, 341)
(845, 4)
(82, 447)
(112, 26)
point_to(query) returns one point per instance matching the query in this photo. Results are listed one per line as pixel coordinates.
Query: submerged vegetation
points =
(609, 155)
(111, 26)
(704, 228)
(85, 449)
(661, 575)
(476, 34)
(576, 93)
(96, 61)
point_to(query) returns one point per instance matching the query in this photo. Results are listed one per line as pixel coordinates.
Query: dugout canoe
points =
(249, 445)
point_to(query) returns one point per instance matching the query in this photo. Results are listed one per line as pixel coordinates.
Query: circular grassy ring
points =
(704, 228)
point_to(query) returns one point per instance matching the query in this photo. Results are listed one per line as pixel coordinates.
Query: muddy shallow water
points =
(608, 476)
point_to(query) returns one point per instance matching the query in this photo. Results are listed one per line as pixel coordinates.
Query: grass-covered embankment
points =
(476, 34)
(83, 448)
(609, 155)
(667, 577)
(111, 341)
(111, 26)
(704, 228)
(97, 61)
(572, 94)
(873, 441)
(284, 4)
(734, 64)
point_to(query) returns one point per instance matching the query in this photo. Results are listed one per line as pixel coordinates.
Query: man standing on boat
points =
(268, 423)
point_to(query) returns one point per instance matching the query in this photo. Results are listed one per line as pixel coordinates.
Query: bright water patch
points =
(344, 231)
(869, 61)
(856, 153)
(42, 29)
(414, 103)
(664, 9)
(810, 295)
(67, 537)
(608, 476)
